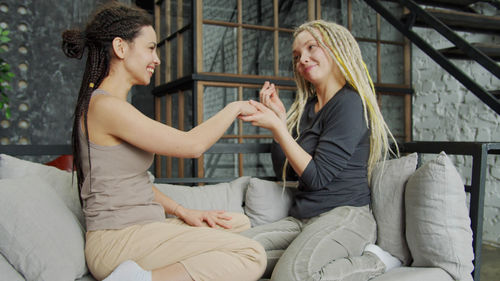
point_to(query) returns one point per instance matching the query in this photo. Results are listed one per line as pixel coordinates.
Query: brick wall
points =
(443, 110)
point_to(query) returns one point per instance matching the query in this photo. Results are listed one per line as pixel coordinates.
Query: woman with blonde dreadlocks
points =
(329, 141)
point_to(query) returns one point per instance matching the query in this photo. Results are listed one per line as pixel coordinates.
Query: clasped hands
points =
(270, 111)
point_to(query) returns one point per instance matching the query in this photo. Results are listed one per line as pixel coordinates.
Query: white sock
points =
(389, 260)
(129, 271)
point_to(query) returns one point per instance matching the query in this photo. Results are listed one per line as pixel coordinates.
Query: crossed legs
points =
(326, 247)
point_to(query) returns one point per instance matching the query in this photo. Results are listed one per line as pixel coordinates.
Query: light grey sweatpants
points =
(326, 247)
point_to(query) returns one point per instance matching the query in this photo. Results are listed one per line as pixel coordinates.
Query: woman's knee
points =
(259, 256)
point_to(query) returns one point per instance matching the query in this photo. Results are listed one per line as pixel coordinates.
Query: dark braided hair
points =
(108, 22)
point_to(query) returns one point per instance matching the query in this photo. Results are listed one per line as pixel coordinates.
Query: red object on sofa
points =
(63, 162)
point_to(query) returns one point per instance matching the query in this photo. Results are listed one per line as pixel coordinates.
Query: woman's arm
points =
(342, 130)
(266, 118)
(111, 117)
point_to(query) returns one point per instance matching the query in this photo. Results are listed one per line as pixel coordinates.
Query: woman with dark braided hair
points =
(128, 236)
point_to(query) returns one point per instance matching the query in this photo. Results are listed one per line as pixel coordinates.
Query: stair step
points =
(491, 50)
(463, 21)
(451, 4)
(496, 94)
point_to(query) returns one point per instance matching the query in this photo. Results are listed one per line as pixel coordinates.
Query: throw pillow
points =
(227, 196)
(61, 181)
(39, 235)
(266, 201)
(438, 229)
(8, 272)
(387, 190)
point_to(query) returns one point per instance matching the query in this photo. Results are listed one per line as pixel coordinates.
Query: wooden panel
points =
(239, 39)
(181, 114)
(168, 121)
(199, 35)
(199, 110)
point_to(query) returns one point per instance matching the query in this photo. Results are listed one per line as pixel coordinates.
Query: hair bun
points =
(73, 43)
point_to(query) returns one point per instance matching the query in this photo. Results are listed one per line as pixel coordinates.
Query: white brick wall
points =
(443, 110)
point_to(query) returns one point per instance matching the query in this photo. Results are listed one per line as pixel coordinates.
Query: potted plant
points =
(5, 76)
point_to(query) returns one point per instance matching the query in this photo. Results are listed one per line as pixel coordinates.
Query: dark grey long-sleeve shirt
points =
(338, 140)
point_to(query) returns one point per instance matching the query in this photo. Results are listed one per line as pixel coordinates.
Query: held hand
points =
(264, 117)
(211, 218)
(246, 108)
(269, 97)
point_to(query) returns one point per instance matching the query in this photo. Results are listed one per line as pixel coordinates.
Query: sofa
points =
(421, 213)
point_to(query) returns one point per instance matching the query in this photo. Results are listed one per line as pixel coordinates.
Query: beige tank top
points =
(118, 193)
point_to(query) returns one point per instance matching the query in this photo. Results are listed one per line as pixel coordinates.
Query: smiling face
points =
(311, 60)
(141, 58)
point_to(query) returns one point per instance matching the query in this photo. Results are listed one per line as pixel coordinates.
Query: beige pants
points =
(206, 253)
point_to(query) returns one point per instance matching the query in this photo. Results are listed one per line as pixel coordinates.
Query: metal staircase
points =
(446, 17)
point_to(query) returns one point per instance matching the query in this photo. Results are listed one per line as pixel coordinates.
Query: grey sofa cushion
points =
(266, 201)
(7, 272)
(39, 235)
(388, 184)
(439, 234)
(87, 277)
(415, 274)
(228, 196)
(60, 181)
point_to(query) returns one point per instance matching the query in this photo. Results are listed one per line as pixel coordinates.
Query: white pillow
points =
(61, 181)
(438, 225)
(266, 202)
(387, 194)
(8, 272)
(226, 196)
(39, 235)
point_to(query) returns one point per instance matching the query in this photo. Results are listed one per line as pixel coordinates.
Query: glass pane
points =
(285, 54)
(258, 52)
(292, 13)
(392, 108)
(387, 31)
(188, 110)
(392, 60)
(219, 49)
(162, 53)
(258, 12)
(163, 109)
(364, 20)
(173, 59)
(215, 99)
(163, 22)
(258, 164)
(188, 168)
(334, 10)
(220, 10)
(175, 167)
(173, 16)
(221, 165)
(175, 110)
(187, 51)
(186, 12)
(369, 53)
